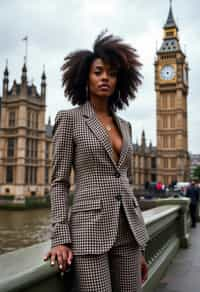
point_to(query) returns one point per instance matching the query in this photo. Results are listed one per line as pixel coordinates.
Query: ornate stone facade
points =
(144, 163)
(25, 141)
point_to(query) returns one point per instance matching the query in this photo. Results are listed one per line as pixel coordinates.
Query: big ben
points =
(171, 85)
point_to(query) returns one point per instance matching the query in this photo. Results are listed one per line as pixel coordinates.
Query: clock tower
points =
(171, 85)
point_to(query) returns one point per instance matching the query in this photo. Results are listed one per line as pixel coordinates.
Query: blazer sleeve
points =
(130, 163)
(61, 167)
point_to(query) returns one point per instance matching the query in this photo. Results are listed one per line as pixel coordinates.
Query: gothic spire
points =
(6, 73)
(49, 120)
(43, 74)
(24, 68)
(24, 72)
(143, 138)
(5, 80)
(170, 40)
(170, 23)
(43, 83)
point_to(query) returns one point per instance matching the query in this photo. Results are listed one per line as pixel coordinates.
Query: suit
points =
(102, 186)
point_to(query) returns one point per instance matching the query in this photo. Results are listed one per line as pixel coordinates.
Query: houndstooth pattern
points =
(118, 270)
(101, 185)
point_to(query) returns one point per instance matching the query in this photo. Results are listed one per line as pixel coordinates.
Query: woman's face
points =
(102, 79)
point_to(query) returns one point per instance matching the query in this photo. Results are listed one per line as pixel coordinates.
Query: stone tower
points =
(171, 85)
(25, 145)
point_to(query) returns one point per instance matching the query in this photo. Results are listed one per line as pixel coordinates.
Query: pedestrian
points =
(146, 185)
(105, 235)
(193, 193)
(158, 188)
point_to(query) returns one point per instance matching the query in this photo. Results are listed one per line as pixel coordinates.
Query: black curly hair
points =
(113, 51)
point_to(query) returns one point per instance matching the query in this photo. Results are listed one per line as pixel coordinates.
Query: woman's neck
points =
(100, 106)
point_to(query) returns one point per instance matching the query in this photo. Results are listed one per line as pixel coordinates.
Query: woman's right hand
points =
(62, 254)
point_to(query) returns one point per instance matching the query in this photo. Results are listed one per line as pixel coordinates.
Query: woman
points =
(105, 233)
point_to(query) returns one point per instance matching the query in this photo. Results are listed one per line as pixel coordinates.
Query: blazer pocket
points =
(86, 205)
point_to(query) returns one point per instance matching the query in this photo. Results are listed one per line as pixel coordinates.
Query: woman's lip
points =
(104, 86)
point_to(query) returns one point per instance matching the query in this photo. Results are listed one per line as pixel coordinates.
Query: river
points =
(23, 228)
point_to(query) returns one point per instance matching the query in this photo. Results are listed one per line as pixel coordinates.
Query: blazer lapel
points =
(97, 128)
(123, 129)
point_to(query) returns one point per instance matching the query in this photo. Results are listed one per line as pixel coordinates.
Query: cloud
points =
(57, 27)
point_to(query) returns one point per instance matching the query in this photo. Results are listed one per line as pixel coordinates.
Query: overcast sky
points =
(57, 27)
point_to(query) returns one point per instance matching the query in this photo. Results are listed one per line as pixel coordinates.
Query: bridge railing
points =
(24, 269)
(168, 228)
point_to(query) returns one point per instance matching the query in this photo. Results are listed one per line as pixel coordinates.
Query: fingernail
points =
(52, 263)
(60, 266)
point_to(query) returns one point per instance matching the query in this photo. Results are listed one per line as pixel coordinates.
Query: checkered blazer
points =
(101, 185)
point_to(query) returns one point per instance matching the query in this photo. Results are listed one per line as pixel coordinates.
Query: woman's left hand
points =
(144, 269)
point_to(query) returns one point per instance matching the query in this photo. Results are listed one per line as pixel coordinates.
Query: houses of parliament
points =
(26, 141)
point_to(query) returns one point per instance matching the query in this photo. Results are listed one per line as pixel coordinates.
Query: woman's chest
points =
(91, 138)
(116, 140)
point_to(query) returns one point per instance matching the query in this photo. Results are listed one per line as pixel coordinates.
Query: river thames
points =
(23, 228)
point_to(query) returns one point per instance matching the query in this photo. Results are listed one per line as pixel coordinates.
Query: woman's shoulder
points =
(64, 120)
(67, 113)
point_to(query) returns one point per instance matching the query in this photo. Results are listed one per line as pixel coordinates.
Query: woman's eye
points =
(97, 72)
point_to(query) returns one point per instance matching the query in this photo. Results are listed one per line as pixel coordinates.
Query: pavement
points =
(183, 274)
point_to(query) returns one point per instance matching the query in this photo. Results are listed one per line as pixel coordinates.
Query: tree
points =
(196, 172)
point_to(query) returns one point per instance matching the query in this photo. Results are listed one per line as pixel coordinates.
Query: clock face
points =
(167, 72)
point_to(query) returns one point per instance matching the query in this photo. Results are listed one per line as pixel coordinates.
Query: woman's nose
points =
(104, 75)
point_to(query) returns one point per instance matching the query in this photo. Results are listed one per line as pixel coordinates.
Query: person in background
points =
(146, 185)
(193, 194)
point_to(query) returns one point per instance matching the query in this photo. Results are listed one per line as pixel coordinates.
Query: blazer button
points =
(118, 197)
(117, 174)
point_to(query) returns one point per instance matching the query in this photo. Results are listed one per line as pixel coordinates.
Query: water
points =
(23, 228)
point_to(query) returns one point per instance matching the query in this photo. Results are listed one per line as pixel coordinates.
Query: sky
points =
(57, 27)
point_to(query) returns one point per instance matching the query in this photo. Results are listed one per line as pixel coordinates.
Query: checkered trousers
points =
(101, 185)
(118, 270)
